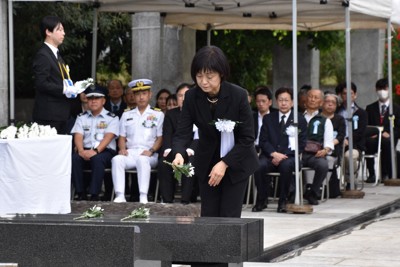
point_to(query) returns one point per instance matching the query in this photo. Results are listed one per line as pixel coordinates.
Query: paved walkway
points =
(365, 245)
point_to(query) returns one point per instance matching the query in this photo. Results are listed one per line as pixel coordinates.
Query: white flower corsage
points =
(150, 121)
(291, 132)
(227, 137)
(224, 125)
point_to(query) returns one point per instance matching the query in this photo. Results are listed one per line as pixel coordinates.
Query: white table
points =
(35, 175)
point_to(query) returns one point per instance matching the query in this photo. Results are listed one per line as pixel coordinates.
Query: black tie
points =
(59, 58)
(282, 123)
(114, 108)
(383, 110)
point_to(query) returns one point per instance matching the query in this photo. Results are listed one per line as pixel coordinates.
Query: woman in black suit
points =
(222, 173)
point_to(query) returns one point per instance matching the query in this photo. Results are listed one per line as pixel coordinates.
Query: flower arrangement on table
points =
(226, 128)
(150, 121)
(139, 213)
(179, 170)
(94, 212)
(27, 131)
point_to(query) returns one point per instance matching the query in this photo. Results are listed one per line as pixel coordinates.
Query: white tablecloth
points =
(35, 175)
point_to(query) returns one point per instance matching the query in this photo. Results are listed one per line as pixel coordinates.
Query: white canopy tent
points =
(299, 15)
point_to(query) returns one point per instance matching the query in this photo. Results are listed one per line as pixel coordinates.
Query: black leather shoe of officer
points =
(94, 198)
(259, 207)
(81, 196)
(371, 179)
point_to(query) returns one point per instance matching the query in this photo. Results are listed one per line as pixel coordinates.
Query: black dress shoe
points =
(94, 198)
(259, 207)
(281, 206)
(80, 197)
(311, 199)
(371, 179)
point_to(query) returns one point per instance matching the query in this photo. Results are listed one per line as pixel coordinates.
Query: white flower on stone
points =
(223, 125)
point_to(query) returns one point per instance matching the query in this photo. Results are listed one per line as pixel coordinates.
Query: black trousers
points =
(97, 164)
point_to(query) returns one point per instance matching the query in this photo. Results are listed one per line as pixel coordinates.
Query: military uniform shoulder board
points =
(156, 109)
(83, 113)
(127, 109)
(111, 114)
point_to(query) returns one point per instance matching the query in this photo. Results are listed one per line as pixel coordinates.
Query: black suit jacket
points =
(271, 138)
(121, 109)
(373, 112)
(232, 105)
(359, 132)
(50, 102)
(170, 125)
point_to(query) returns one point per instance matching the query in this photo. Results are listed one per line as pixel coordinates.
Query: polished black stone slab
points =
(165, 239)
(58, 240)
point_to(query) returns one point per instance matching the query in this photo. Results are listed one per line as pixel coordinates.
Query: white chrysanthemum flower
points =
(225, 125)
(290, 131)
(9, 132)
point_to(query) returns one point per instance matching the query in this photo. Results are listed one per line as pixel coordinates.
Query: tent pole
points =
(391, 115)
(94, 42)
(209, 34)
(161, 55)
(348, 99)
(298, 199)
(11, 60)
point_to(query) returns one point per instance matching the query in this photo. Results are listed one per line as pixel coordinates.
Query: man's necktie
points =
(383, 110)
(59, 58)
(114, 108)
(282, 123)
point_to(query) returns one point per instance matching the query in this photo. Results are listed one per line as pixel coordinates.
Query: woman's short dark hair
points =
(164, 90)
(284, 90)
(210, 58)
(49, 23)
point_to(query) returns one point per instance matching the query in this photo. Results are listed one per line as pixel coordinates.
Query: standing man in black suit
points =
(164, 173)
(225, 156)
(277, 145)
(51, 106)
(378, 115)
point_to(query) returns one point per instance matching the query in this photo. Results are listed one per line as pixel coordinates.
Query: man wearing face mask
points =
(378, 115)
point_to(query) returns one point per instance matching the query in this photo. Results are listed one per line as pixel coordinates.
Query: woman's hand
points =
(178, 159)
(217, 173)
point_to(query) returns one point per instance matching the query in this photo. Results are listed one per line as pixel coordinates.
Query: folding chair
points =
(376, 156)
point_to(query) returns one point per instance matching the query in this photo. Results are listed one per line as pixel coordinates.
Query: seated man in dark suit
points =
(263, 99)
(359, 126)
(278, 148)
(115, 102)
(319, 130)
(378, 115)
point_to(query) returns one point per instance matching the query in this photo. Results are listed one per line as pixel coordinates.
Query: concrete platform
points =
(285, 232)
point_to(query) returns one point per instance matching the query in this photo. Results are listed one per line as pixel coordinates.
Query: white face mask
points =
(383, 95)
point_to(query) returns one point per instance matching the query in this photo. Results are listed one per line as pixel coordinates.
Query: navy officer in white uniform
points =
(95, 132)
(140, 137)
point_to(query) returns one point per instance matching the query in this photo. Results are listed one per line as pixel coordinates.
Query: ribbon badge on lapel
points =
(315, 125)
(355, 122)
